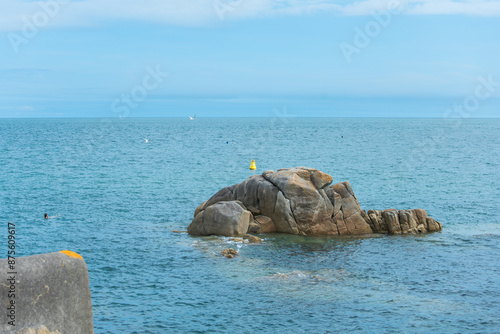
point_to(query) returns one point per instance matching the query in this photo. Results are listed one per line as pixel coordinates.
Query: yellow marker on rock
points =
(252, 165)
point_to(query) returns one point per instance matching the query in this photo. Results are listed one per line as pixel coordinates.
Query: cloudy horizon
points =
(245, 58)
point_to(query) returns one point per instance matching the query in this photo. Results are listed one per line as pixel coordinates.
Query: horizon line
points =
(230, 117)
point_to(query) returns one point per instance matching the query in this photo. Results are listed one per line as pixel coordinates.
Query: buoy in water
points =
(252, 165)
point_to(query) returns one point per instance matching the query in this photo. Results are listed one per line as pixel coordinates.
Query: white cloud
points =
(202, 12)
(27, 108)
(447, 7)
(17, 108)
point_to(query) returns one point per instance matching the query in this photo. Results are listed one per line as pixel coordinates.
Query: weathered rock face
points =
(39, 330)
(392, 221)
(263, 224)
(52, 295)
(227, 218)
(347, 213)
(300, 201)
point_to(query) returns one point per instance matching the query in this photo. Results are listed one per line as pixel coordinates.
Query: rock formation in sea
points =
(302, 201)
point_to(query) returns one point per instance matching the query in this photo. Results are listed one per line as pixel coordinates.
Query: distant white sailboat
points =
(146, 140)
(192, 118)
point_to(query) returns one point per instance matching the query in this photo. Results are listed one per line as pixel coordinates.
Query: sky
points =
(249, 58)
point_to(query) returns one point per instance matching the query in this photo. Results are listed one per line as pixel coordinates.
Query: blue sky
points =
(245, 58)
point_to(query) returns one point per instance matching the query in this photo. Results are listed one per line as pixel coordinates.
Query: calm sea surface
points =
(119, 198)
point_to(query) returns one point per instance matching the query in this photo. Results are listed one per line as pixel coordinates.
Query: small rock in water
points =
(237, 240)
(252, 238)
(229, 253)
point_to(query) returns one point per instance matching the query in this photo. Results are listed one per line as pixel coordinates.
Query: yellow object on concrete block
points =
(72, 254)
(252, 165)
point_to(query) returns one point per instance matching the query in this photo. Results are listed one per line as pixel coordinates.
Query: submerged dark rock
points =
(229, 253)
(302, 201)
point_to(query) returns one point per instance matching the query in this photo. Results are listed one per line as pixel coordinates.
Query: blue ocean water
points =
(119, 199)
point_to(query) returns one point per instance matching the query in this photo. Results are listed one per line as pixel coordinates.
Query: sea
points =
(118, 188)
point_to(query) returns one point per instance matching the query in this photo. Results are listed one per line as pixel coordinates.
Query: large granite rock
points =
(227, 218)
(47, 293)
(299, 200)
